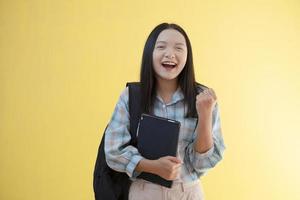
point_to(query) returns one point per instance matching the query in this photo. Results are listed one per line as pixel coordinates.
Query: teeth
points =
(169, 63)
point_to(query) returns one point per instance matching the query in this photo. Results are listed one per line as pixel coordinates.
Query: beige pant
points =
(144, 190)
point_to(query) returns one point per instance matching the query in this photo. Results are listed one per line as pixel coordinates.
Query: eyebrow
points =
(178, 43)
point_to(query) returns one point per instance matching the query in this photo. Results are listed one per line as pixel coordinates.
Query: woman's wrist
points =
(146, 165)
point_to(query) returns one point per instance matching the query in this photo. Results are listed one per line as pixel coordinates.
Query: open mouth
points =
(169, 65)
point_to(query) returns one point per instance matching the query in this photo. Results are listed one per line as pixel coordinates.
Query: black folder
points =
(157, 137)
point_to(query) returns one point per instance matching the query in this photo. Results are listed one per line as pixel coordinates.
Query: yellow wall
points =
(64, 63)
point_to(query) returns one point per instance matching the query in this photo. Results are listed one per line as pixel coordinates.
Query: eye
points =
(179, 48)
(160, 47)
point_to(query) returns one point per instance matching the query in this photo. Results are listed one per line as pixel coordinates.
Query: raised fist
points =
(205, 101)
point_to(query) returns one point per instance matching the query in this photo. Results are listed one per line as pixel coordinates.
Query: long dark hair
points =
(186, 79)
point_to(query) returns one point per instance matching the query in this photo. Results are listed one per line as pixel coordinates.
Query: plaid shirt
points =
(125, 159)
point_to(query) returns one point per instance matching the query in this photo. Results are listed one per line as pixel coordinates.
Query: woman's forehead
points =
(171, 36)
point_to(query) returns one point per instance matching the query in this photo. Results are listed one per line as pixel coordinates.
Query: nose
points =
(169, 54)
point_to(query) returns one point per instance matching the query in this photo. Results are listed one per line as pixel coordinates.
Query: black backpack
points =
(109, 184)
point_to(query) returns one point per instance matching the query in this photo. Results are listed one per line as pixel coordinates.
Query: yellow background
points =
(63, 65)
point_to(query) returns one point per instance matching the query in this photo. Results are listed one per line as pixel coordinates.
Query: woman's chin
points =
(167, 77)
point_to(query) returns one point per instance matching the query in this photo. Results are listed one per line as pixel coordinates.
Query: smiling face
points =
(169, 54)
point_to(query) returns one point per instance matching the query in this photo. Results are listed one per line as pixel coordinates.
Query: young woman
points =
(169, 89)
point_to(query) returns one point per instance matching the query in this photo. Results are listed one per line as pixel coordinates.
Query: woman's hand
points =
(168, 167)
(205, 101)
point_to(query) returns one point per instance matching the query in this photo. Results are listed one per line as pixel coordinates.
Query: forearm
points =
(208, 147)
(167, 167)
(146, 165)
(204, 139)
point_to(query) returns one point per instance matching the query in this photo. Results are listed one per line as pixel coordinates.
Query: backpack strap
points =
(200, 87)
(134, 109)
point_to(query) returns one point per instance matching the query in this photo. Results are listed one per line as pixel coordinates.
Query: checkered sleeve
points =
(119, 156)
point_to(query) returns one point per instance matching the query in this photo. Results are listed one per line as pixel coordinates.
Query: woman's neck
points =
(166, 88)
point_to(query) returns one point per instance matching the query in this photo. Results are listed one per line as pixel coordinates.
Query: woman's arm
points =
(167, 167)
(208, 147)
(119, 156)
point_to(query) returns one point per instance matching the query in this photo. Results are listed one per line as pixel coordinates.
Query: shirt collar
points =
(177, 96)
